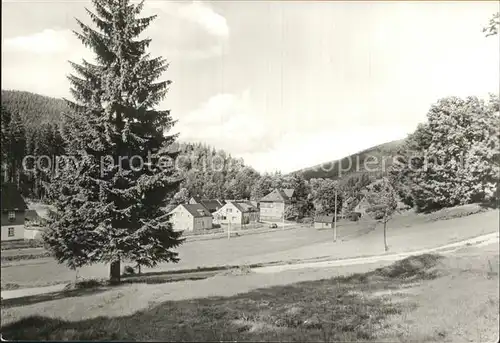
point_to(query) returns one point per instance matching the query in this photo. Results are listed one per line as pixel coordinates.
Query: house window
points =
(229, 210)
(11, 232)
(12, 215)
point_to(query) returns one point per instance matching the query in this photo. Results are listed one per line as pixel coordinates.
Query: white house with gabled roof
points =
(190, 217)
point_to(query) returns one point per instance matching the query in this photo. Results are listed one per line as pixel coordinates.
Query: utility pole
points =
(283, 221)
(229, 230)
(335, 219)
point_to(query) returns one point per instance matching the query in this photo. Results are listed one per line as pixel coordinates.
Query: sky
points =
(282, 84)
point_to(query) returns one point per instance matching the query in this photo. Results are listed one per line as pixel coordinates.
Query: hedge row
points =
(25, 257)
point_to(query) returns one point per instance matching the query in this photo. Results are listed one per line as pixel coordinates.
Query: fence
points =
(30, 233)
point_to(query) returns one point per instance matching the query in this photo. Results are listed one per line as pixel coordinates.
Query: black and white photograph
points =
(250, 171)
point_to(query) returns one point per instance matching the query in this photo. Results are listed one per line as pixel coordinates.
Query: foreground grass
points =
(326, 310)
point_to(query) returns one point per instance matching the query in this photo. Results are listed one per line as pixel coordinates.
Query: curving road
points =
(492, 238)
(483, 240)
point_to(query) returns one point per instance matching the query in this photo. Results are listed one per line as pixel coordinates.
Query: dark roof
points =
(197, 210)
(196, 199)
(251, 206)
(276, 195)
(32, 215)
(244, 206)
(374, 208)
(12, 198)
(363, 203)
(323, 219)
(211, 204)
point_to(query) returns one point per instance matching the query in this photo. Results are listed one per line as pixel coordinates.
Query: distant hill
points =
(199, 163)
(34, 109)
(370, 160)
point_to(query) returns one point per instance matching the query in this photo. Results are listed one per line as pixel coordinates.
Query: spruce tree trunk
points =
(114, 272)
(5, 172)
(18, 175)
(12, 173)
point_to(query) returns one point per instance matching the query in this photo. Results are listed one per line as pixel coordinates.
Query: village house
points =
(324, 222)
(32, 216)
(362, 206)
(36, 221)
(190, 217)
(237, 213)
(13, 213)
(274, 205)
(211, 205)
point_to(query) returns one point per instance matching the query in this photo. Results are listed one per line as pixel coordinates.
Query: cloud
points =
(190, 30)
(195, 12)
(297, 150)
(182, 31)
(50, 46)
(46, 41)
(228, 122)
(39, 62)
(200, 13)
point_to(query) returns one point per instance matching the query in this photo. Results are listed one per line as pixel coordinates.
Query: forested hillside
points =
(34, 109)
(372, 161)
(35, 119)
(31, 125)
(212, 173)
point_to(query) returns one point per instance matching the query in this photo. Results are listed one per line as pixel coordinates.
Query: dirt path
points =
(281, 247)
(477, 241)
(482, 240)
(25, 292)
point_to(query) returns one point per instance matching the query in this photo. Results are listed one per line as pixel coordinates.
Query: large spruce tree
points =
(109, 206)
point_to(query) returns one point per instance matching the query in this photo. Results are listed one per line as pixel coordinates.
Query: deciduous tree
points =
(493, 25)
(382, 199)
(323, 194)
(453, 159)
